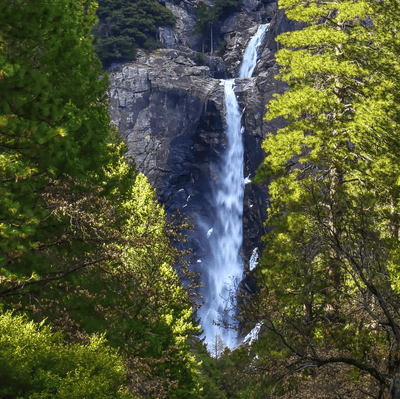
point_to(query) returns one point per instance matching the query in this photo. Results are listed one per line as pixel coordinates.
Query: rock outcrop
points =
(169, 106)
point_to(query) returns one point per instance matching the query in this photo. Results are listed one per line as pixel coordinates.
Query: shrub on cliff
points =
(206, 15)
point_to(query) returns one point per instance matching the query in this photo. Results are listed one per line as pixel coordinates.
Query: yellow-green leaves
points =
(331, 258)
(37, 364)
(336, 11)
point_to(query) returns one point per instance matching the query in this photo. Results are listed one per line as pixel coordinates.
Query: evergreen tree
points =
(126, 25)
(329, 272)
(206, 16)
(83, 243)
(53, 114)
(231, 375)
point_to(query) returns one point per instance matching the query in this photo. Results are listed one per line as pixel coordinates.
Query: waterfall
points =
(250, 56)
(224, 264)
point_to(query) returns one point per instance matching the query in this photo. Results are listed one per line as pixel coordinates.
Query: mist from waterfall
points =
(224, 264)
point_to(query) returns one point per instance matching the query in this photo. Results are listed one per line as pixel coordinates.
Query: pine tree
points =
(231, 375)
(207, 15)
(126, 25)
(53, 113)
(84, 244)
(329, 270)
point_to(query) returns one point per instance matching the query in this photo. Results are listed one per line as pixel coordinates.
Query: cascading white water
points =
(225, 265)
(250, 56)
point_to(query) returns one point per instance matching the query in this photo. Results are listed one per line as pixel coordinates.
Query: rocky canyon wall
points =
(169, 106)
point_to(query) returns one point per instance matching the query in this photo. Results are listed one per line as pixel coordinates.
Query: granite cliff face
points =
(169, 106)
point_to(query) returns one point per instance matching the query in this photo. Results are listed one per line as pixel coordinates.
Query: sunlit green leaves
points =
(36, 364)
(331, 260)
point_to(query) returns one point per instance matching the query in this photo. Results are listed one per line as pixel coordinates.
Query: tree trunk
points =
(212, 41)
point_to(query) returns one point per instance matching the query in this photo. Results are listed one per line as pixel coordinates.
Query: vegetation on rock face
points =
(207, 15)
(83, 244)
(126, 25)
(329, 275)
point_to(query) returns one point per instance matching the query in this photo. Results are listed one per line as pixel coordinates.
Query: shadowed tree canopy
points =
(206, 15)
(126, 25)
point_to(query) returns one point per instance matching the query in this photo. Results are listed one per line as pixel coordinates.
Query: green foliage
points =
(230, 375)
(126, 25)
(222, 48)
(151, 318)
(328, 273)
(83, 242)
(206, 15)
(210, 373)
(151, 44)
(200, 58)
(36, 364)
(223, 8)
(51, 100)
